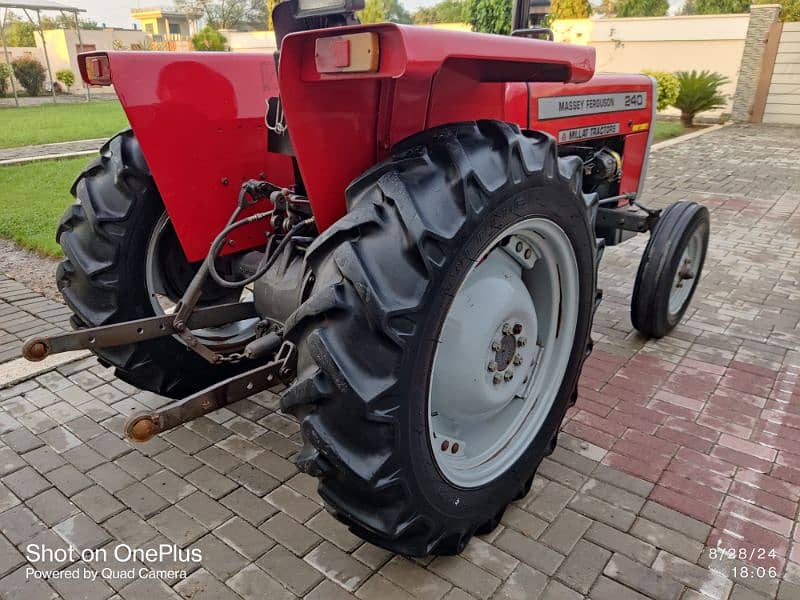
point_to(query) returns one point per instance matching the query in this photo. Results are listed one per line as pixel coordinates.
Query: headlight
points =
(313, 8)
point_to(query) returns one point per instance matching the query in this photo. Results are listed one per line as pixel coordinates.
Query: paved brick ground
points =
(672, 446)
(24, 313)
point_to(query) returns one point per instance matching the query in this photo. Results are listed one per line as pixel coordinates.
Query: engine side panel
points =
(605, 106)
(199, 118)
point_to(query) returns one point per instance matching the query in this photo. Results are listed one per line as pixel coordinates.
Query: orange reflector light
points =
(640, 126)
(353, 53)
(97, 69)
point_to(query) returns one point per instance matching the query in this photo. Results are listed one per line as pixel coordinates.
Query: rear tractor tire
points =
(442, 341)
(108, 238)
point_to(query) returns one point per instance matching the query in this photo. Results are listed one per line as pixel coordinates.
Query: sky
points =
(117, 13)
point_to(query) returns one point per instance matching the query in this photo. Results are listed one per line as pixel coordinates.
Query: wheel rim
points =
(502, 352)
(167, 272)
(685, 277)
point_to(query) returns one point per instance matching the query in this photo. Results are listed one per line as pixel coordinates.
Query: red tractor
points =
(397, 227)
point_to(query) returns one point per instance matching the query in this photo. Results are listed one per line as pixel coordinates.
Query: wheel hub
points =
(478, 349)
(502, 352)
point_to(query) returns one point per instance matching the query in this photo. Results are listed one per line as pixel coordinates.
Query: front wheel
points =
(442, 341)
(670, 268)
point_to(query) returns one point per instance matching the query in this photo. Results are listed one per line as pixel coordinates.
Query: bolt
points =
(506, 328)
(497, 378)
(496, 346)
(454, 449)
(35, 351)
(517, 328)
(517, 360)
(445, 445)
(509, 375)
(179, 325)
(519, 246)
(521, 341)
(528, 253)
(492, 366)
(224, 181)
(231, 243)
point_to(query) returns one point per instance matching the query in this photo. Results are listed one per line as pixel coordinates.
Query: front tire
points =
(670, 269)
(385, 279)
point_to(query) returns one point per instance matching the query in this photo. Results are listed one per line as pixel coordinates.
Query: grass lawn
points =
(668, 129)
(60, 122)
(32, 199)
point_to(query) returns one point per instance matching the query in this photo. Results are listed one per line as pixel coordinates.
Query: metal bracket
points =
(273, 376)
(130, 332)
(627, 218)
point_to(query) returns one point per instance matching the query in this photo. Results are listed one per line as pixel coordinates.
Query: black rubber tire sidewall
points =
(105, 237)
(660, 261)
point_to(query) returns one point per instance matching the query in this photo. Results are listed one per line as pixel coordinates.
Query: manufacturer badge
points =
(584, 133)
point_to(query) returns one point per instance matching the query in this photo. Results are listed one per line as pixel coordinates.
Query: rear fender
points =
(425, 77)
(199, 118)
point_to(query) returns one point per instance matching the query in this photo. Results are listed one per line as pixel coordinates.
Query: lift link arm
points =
(273, 376)
(130, 332)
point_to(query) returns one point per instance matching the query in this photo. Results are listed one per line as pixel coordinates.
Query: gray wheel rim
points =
(685, 277)
(225, 337)
(502, 352)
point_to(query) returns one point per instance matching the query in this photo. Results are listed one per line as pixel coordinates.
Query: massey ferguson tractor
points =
(396, 227)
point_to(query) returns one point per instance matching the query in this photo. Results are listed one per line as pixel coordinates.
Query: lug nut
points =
(521, 341)
(528, 253)
(454, 449)
(497, 378)
(517, 328)
(517, 360)
(445, 445)
(506, 328)
(496, 346)
(492, 366)
(519, 246)
(509, 375)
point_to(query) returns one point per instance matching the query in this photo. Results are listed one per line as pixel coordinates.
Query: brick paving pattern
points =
(24, 313)
(674, 445)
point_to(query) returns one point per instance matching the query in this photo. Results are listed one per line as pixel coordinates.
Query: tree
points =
(489, 16)
(30, 74)
(20, 33)
(446, 11)
(67, 22)
(715, 7)
(209, 39)
(642, 8)
(607, 8)
(67, 77)
(570, 9)
(225, 14)
(5, 75)
(381, 11)
(374, 12)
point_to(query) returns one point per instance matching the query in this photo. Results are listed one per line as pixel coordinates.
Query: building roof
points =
(40, 5)
(156, 11)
